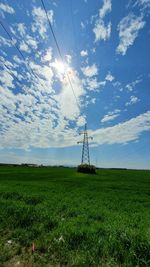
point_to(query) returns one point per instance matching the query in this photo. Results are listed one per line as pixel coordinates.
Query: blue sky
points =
(105, 48)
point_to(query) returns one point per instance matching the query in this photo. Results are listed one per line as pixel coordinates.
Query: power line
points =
(10, 37)
(74, 37)
(51, 28)
(74, 32)
(59, 51)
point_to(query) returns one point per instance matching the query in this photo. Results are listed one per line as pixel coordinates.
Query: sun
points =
(60, 67)
(62, 70)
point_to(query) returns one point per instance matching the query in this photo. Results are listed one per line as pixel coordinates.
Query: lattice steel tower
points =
(85, 148)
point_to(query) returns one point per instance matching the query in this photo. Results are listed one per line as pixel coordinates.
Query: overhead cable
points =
(59, 51)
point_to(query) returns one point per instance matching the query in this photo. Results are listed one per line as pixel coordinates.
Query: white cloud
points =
(93, 50)
(28, 42)
(90, 71)
(109, 77)
(45, 76)
(71, 110)
(24, 47)
(106, 8)
(130, 86)
(103, 83)
(81, 121)
(47, 57)
(84, 53)
(21, 29)
(40, 21)
(124, 132)
(68, 59)
(4, 41)
(31, 42)
(102, 31)
(6, 79)
(145, 4)
(133, 100)
(111, 115)
(17, 59)
(82, 25)
(93, 100)
(91, 83)
(5, 8)
(128, 29)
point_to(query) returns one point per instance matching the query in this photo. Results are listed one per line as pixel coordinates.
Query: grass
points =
(74, 219)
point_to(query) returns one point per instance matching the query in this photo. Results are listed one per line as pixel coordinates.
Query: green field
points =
(74, 219)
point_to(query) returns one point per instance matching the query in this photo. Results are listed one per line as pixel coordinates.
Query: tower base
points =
(86, 168)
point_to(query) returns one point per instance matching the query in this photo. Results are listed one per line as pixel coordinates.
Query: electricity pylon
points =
(85, 148)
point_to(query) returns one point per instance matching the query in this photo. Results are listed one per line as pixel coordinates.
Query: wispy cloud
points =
(130, 86)
(21, 29)
(128, 28)
(109, 77)
(70, 111)
(5, 42)
(5, 8)
(111, 115)
(24, 47)
(124, 132)
(40, 21)
(91, 83)
(101, 30)
(47, 57)
(26, 42)
(144, 4)
(133, 100)
(90, 71)
(82, 25)
(106, 8)
(81, 121)
(84, 53)
(6, 79)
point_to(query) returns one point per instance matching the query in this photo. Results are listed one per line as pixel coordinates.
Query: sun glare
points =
(60, 67)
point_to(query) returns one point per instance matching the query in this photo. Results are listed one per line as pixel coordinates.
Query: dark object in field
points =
(86, 168)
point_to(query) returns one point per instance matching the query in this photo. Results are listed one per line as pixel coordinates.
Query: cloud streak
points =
(124, 132)
(111, 116)
(128, 28)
